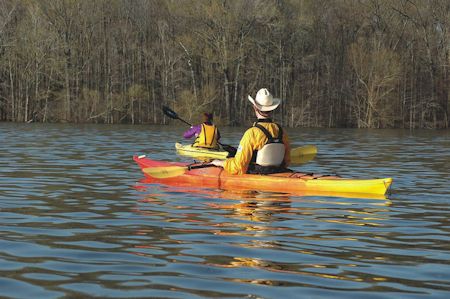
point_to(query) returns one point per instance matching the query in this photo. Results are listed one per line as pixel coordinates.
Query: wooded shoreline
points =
(336, 63)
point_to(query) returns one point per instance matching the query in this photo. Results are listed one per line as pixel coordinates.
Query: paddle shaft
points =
(189, 124)
(179, 118)
(190, 167)
(172, 171)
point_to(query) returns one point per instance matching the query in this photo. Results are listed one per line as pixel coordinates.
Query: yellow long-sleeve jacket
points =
(253, 140)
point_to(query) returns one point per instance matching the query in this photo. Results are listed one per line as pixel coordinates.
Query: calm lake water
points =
(77, 220)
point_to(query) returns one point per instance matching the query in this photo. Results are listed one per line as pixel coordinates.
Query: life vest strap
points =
(271, 139)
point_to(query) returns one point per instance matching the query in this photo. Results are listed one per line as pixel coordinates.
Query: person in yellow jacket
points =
(207, 135)
(265, 147)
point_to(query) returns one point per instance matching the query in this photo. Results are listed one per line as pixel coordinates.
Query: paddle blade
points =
(172, 114)
(303, 154)
(169, 112)
(165, 172)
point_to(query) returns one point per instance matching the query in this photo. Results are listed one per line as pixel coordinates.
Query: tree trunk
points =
(27, 100)
(13, 101)
(227, 97)
(67, 85)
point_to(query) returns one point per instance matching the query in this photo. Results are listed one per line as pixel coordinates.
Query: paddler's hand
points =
(218, 163)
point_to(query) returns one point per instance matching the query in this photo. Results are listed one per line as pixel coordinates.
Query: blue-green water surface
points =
(77, 220)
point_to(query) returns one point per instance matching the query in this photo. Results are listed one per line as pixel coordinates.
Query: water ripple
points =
(78, 221)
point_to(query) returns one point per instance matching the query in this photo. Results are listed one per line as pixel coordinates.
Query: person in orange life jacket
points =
(207, 135)
(265, 147)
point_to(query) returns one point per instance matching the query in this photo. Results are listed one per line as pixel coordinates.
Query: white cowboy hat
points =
(264, 101)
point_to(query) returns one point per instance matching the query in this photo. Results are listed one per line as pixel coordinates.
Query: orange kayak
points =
(296, 182)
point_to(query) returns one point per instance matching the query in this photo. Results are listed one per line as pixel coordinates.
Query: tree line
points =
(335, 63)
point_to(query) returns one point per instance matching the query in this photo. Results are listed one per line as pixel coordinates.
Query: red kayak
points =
(180, 174)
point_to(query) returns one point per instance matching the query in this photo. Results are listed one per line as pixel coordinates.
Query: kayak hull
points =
(216, 177)
(200, 153)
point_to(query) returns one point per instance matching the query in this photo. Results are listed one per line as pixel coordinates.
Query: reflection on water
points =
(261, 234)
(78, 220)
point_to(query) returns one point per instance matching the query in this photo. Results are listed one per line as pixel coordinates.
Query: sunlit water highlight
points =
(77, 219)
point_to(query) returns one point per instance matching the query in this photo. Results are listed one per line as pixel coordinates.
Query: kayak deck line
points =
(216, 177)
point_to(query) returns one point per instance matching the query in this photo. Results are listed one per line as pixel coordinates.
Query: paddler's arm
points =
(239, 164)
(192, 131)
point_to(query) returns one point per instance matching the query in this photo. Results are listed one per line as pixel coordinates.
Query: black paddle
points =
(172, 114)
